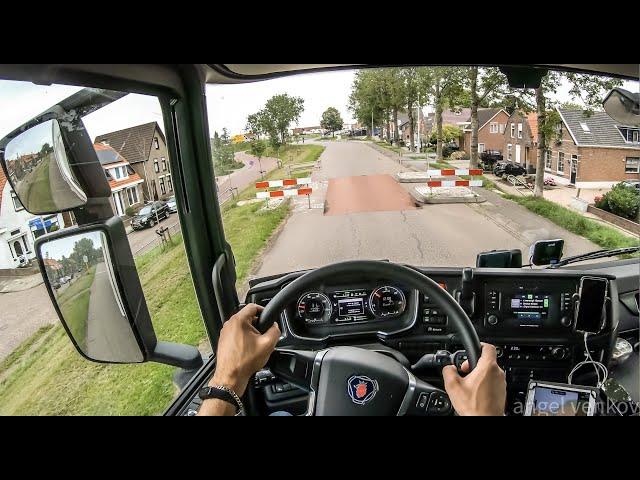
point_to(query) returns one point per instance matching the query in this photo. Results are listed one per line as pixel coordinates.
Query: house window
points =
(513, 130)
(480, 147)
(162, 187)
(632, 165)
(116, 173)
(493, 128)
(17, 205)
(631, 135)
(155, 143)
(519, 130)
(547, 159)
(156, 167)
(560, 162)
(132, 195)
(164, 164)
(169, 183)
(502, 127)
(44, 225)
(585, 127)
(509, 147)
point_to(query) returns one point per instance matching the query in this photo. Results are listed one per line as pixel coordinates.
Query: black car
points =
(150, 214)
(508, 168)
(489, 158)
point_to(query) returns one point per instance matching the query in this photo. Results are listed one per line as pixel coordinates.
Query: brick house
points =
(125, 183)
(145, 148)
(593, 151)
(521, 140)
(491, 127)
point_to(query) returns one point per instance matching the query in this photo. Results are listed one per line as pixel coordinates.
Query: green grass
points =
(602, 235)
(55, 380)
(35, 188)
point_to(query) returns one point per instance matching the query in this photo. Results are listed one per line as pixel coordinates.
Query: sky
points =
(64, 246)
(228, 105)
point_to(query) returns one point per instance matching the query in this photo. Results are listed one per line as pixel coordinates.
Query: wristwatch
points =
(224, 393)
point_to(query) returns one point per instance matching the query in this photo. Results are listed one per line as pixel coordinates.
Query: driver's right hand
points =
(481, 392)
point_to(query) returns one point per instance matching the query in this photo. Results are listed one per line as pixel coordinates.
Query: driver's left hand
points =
(242, 349)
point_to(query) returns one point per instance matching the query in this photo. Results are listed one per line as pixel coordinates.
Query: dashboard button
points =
(423, 400)
(439, 403)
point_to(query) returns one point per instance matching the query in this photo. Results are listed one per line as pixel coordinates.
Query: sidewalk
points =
(564, 197)
(19, 284)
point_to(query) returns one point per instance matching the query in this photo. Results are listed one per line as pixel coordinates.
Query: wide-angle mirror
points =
(37, 165)
(80, 274)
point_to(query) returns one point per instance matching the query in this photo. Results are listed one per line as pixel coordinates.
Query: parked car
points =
(55, 284)
(632, 183)
(489, 158)
(171, 203)
(147, 216)
(508, 168)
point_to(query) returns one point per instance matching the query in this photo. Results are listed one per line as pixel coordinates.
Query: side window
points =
(41, 373)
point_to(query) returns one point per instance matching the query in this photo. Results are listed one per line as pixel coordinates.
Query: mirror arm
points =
(177, 355)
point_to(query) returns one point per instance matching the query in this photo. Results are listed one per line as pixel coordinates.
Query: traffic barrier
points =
(454, 172)
(454, 183)
(287, 182)
(287, 192)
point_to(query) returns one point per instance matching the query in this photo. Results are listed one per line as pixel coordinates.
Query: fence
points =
(171, 232)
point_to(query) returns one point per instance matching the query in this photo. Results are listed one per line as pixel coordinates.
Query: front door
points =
(517, 153)
(117, 200)
(574, 169)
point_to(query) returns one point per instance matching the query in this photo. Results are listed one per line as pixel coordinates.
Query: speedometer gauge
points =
(314, 308)
(387, 302)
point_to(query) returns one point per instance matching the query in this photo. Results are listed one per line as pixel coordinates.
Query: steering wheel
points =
(346, 380)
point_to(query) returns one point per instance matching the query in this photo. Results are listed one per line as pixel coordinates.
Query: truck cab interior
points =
(359, 337)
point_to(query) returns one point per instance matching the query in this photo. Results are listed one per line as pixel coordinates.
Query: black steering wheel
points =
(354, 381)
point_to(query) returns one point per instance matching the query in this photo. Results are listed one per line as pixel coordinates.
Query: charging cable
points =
(599, 367)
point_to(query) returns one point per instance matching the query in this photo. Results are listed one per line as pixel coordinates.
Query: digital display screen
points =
(530, 307)
(556, 402)
(348, 307)
(592, 295)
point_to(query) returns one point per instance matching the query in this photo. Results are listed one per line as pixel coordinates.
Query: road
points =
(109, 335)
(432, 235)
(239, 179)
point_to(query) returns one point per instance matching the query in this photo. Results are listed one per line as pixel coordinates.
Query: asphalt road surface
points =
(432, 235)
(109, 335)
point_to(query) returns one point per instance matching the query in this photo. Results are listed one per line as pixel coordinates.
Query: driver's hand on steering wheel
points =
(242, 351)
(481, 392)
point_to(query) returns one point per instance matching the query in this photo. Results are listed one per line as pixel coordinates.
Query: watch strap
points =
(224, 393)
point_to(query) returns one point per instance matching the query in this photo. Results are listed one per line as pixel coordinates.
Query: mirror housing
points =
(124, 332)
(623, 106)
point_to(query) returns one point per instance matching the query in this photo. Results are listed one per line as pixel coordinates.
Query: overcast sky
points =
(228, 105)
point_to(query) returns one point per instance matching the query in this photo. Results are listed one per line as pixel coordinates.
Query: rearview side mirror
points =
(37, 166)
(93, 283)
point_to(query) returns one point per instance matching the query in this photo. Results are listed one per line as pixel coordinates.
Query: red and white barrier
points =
(287, 182)
(449, 172)
(454, 183)
(292, 192)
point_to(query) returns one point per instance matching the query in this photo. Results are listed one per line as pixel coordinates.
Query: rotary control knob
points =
(559, 353)
(499, 352)
(492, 320)
(566, 321)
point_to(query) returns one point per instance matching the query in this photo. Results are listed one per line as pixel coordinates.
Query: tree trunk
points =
(387, 125)
(473, 147)
(438, 105)
(538, 191)
(396, 128)
(410, 115)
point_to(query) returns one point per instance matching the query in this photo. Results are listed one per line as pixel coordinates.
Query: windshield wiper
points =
(594, 255)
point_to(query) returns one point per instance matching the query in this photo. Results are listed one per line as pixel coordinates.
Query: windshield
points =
(145, 210)
(388, 164)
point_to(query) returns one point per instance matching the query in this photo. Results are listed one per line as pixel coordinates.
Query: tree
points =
(222, 150)
(276, 116)
(450, 133)
(486, 84)
(365, 99)
(331, 120)
(445, 87)
(589, 89)
(257, 149)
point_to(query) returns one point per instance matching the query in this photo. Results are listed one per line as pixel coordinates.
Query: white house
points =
(19, 228)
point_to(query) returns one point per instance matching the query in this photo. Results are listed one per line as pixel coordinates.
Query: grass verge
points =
(602, 235)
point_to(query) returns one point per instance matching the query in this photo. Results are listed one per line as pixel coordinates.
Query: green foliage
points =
(621, 200)
(276, 116)
(257, 148)
(331, 120)
(450, 133)
(130, 211)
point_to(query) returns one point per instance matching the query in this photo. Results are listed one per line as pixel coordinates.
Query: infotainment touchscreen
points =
(530, 308)
(559, 400)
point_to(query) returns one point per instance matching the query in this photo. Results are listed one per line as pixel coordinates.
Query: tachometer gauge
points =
(314, 308)
(387, 302)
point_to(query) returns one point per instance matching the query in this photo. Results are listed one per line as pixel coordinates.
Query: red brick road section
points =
(366, 193)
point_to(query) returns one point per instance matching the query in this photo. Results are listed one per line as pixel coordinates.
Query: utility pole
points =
(371, 122)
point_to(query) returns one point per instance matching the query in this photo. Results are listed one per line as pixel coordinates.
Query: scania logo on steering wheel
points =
(361, 389)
